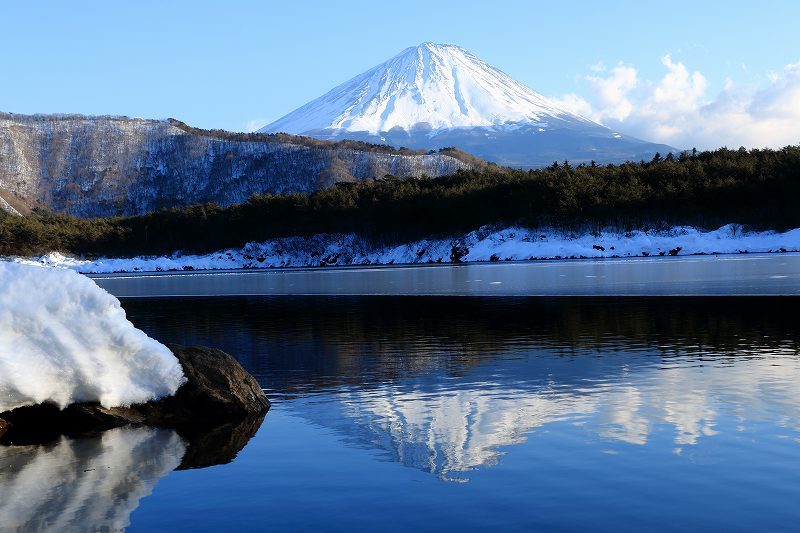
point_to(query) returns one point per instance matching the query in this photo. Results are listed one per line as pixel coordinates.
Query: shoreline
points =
(485, 245)
(397, 266)
(729, 275)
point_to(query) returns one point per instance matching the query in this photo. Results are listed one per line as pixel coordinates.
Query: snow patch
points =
(5, 206)
(485, 244)
(64, 340)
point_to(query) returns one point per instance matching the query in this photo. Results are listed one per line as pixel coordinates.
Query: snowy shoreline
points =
(485, 244)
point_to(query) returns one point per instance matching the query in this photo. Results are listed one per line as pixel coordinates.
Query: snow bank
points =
(65, 340)
(485, 244)
(516, 243)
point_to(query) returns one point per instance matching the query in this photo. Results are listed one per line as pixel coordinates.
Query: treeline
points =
(760, 188)
(284, 138)
(311, 142)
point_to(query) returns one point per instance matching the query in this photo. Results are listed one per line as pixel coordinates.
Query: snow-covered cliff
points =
(100, 166)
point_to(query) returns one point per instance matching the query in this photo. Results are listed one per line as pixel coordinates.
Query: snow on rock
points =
(485, 244)
(8, 208)
(65, 340)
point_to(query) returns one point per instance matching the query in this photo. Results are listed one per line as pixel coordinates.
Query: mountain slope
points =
(101, 166)
(433, 95)
(424, 87)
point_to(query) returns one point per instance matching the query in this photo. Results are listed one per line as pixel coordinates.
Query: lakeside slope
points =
(485, 244)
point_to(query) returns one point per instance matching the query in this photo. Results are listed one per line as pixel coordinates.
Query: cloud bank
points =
(677, 109)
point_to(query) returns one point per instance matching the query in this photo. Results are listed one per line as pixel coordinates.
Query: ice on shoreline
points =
(485, 244)
(64, 340)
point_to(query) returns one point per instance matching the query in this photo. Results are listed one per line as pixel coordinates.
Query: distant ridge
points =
(105, 166)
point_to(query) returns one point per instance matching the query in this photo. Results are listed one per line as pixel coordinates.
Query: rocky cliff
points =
(102, 166)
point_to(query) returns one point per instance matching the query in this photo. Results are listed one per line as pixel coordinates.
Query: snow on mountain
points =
(436, 95)
(429, 87)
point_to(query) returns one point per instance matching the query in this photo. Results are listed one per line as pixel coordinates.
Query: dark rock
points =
(458, 251)
(218, 445)
(217, 387)
(37, 424)
(205, 445)
(218, 392)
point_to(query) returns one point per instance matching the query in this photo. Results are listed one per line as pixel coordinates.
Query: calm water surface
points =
(710, 275)
(436, 414)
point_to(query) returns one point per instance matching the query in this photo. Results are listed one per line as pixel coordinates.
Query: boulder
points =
(218, 393)
(217, 387)
(218, 445)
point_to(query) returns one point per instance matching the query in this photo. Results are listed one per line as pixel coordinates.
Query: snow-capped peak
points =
(425, 87)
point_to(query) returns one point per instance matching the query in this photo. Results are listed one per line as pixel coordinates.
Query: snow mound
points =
(64, 340)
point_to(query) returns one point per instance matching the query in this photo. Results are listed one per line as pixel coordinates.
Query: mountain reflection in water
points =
(448, 385)
(94, 482)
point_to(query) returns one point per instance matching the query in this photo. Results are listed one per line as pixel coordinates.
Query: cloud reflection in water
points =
(467, 423)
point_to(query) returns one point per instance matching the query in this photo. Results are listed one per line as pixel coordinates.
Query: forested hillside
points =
(760, 188)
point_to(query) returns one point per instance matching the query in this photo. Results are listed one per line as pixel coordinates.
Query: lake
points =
(442, 413)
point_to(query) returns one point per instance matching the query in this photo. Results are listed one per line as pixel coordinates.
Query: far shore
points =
(371, 266)
(485, 245)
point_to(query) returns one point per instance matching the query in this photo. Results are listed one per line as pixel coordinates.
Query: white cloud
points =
(678, 110)
(255, 124)
(598, 67)
(610, 94)
(612, 91)
(575, 104)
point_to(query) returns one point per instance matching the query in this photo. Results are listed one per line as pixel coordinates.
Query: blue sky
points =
(235, 64)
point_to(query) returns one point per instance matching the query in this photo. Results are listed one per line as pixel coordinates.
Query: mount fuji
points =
(438, 95)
